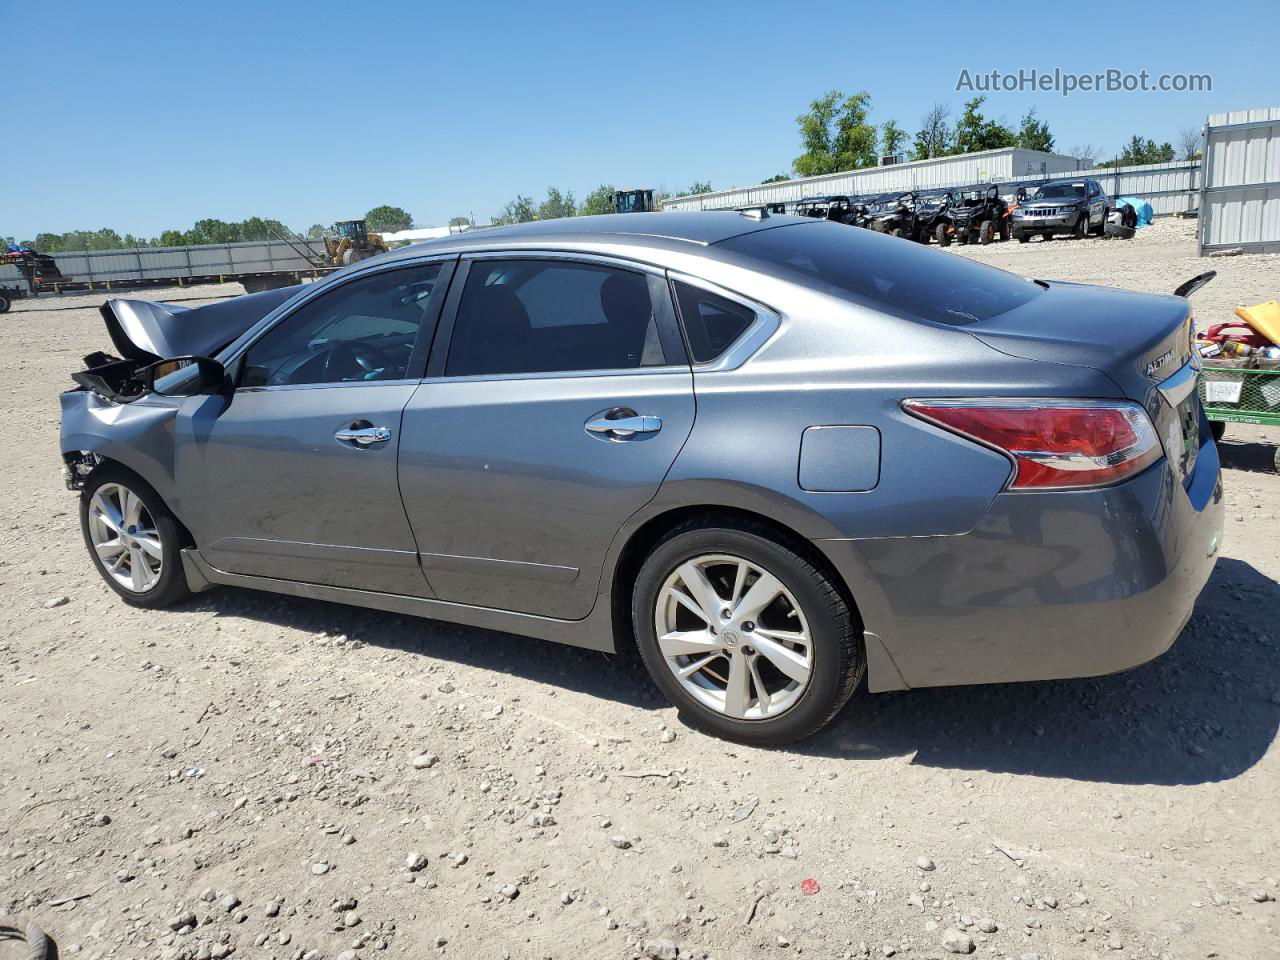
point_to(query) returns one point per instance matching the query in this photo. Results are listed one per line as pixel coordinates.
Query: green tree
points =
(557, 205)
(777, 178)
(519, 210)
(317, 231)
(1140, 150)
(975, 132)
(599, 200)
(460, 222)
(835, 134)
(698, 186)
(1034, 134)
(387, 219)
(892, 139)
(933, 139)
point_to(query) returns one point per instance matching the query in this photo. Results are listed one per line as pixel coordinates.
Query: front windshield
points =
(1059, 191)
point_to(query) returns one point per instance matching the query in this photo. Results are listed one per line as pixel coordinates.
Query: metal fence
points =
(1171, 187)
(209, 260)
(1240, 193)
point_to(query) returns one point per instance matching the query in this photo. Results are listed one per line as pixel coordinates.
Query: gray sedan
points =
(777, 454)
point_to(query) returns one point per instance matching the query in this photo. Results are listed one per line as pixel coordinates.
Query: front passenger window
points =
(362, 330)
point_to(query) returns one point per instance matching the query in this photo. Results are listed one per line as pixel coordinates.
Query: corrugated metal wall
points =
(1169, 187)
(980, 167)
(1240, 200)
(198, 261)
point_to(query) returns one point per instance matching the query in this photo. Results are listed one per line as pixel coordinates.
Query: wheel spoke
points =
(106, 512)
(692, 668)
(737, 693)
(782, 636)
(762, 593)
(686, 643)
(109, 548)
(150, 544)
(701, 590)
(131, 508)
(739, 581)
(794, 665)
(137, 568)
(762, 692)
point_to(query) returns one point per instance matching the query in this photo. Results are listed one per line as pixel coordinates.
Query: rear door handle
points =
(622, 424)
(363, 436)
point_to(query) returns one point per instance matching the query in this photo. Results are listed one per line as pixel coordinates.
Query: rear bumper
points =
(1050, 585)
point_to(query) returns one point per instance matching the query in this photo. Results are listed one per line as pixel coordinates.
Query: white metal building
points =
(984, 166)
(1240, 195)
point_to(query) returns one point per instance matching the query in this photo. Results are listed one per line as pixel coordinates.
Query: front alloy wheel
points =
(133, 538)
(124, 535)
(746, 630)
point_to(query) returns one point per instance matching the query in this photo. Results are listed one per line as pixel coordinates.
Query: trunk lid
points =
(146, 331)
(1139, 341)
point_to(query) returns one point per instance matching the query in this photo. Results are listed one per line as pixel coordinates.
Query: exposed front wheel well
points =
(654, 530)
(77, 462)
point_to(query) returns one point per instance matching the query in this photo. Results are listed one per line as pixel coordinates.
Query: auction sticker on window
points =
(1222, 391)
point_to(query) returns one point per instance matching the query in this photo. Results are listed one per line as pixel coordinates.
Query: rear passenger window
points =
(539, 316)
(711, 323)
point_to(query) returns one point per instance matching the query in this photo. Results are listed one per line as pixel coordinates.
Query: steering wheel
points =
(347, 361)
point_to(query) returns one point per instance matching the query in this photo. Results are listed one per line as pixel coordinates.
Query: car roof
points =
(699, 227)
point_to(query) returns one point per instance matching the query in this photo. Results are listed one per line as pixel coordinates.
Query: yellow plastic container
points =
(1263, 317)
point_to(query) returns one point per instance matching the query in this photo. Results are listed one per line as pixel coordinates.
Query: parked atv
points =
(839, 209)
(933, 215)
(894, 213)
(980, 216)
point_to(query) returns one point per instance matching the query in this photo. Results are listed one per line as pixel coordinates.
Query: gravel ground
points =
(270, 777)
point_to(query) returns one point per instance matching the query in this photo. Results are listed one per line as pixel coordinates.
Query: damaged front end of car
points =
(103, 418)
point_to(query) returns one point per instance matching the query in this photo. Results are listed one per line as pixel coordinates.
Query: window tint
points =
(906, 278)
(362, 330)
(711, 322)
(538, 316)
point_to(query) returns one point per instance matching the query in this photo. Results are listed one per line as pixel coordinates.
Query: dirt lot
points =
(281, 778)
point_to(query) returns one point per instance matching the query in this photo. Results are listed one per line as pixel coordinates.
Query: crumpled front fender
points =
(138, 435)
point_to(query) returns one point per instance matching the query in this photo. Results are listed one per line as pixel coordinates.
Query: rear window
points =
(901, 276)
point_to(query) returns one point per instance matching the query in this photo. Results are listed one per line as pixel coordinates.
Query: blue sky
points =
(142, 116)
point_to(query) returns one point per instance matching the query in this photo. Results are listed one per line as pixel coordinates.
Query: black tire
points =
(1102, 224)
(839, 659)
(899, 233)
(1004, 230)
(1118, 232)
(4, 303)
(1020, 236)
(943, 237)
(171, 586)
(1081, 228)
(1047, 236)
(986, 232)
(1219, 430)
(1276, 460)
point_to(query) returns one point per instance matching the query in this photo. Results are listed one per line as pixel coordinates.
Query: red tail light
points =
(1053, 443)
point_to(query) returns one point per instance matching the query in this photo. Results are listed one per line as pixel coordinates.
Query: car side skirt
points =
(594, 632)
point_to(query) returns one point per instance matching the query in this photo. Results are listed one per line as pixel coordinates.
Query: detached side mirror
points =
(185, 377)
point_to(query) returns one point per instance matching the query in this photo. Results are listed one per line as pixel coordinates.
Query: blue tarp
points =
(1140, 207)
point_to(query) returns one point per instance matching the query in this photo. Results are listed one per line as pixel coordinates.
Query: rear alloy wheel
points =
(133, 538)
(745, 636)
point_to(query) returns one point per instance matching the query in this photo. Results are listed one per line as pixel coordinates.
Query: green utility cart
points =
(1233, 392)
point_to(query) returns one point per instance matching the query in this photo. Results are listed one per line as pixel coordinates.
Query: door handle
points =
(622, 424)
(363, 436)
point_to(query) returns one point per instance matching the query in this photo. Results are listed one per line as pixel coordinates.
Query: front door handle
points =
(363, 436)
(622, 423)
